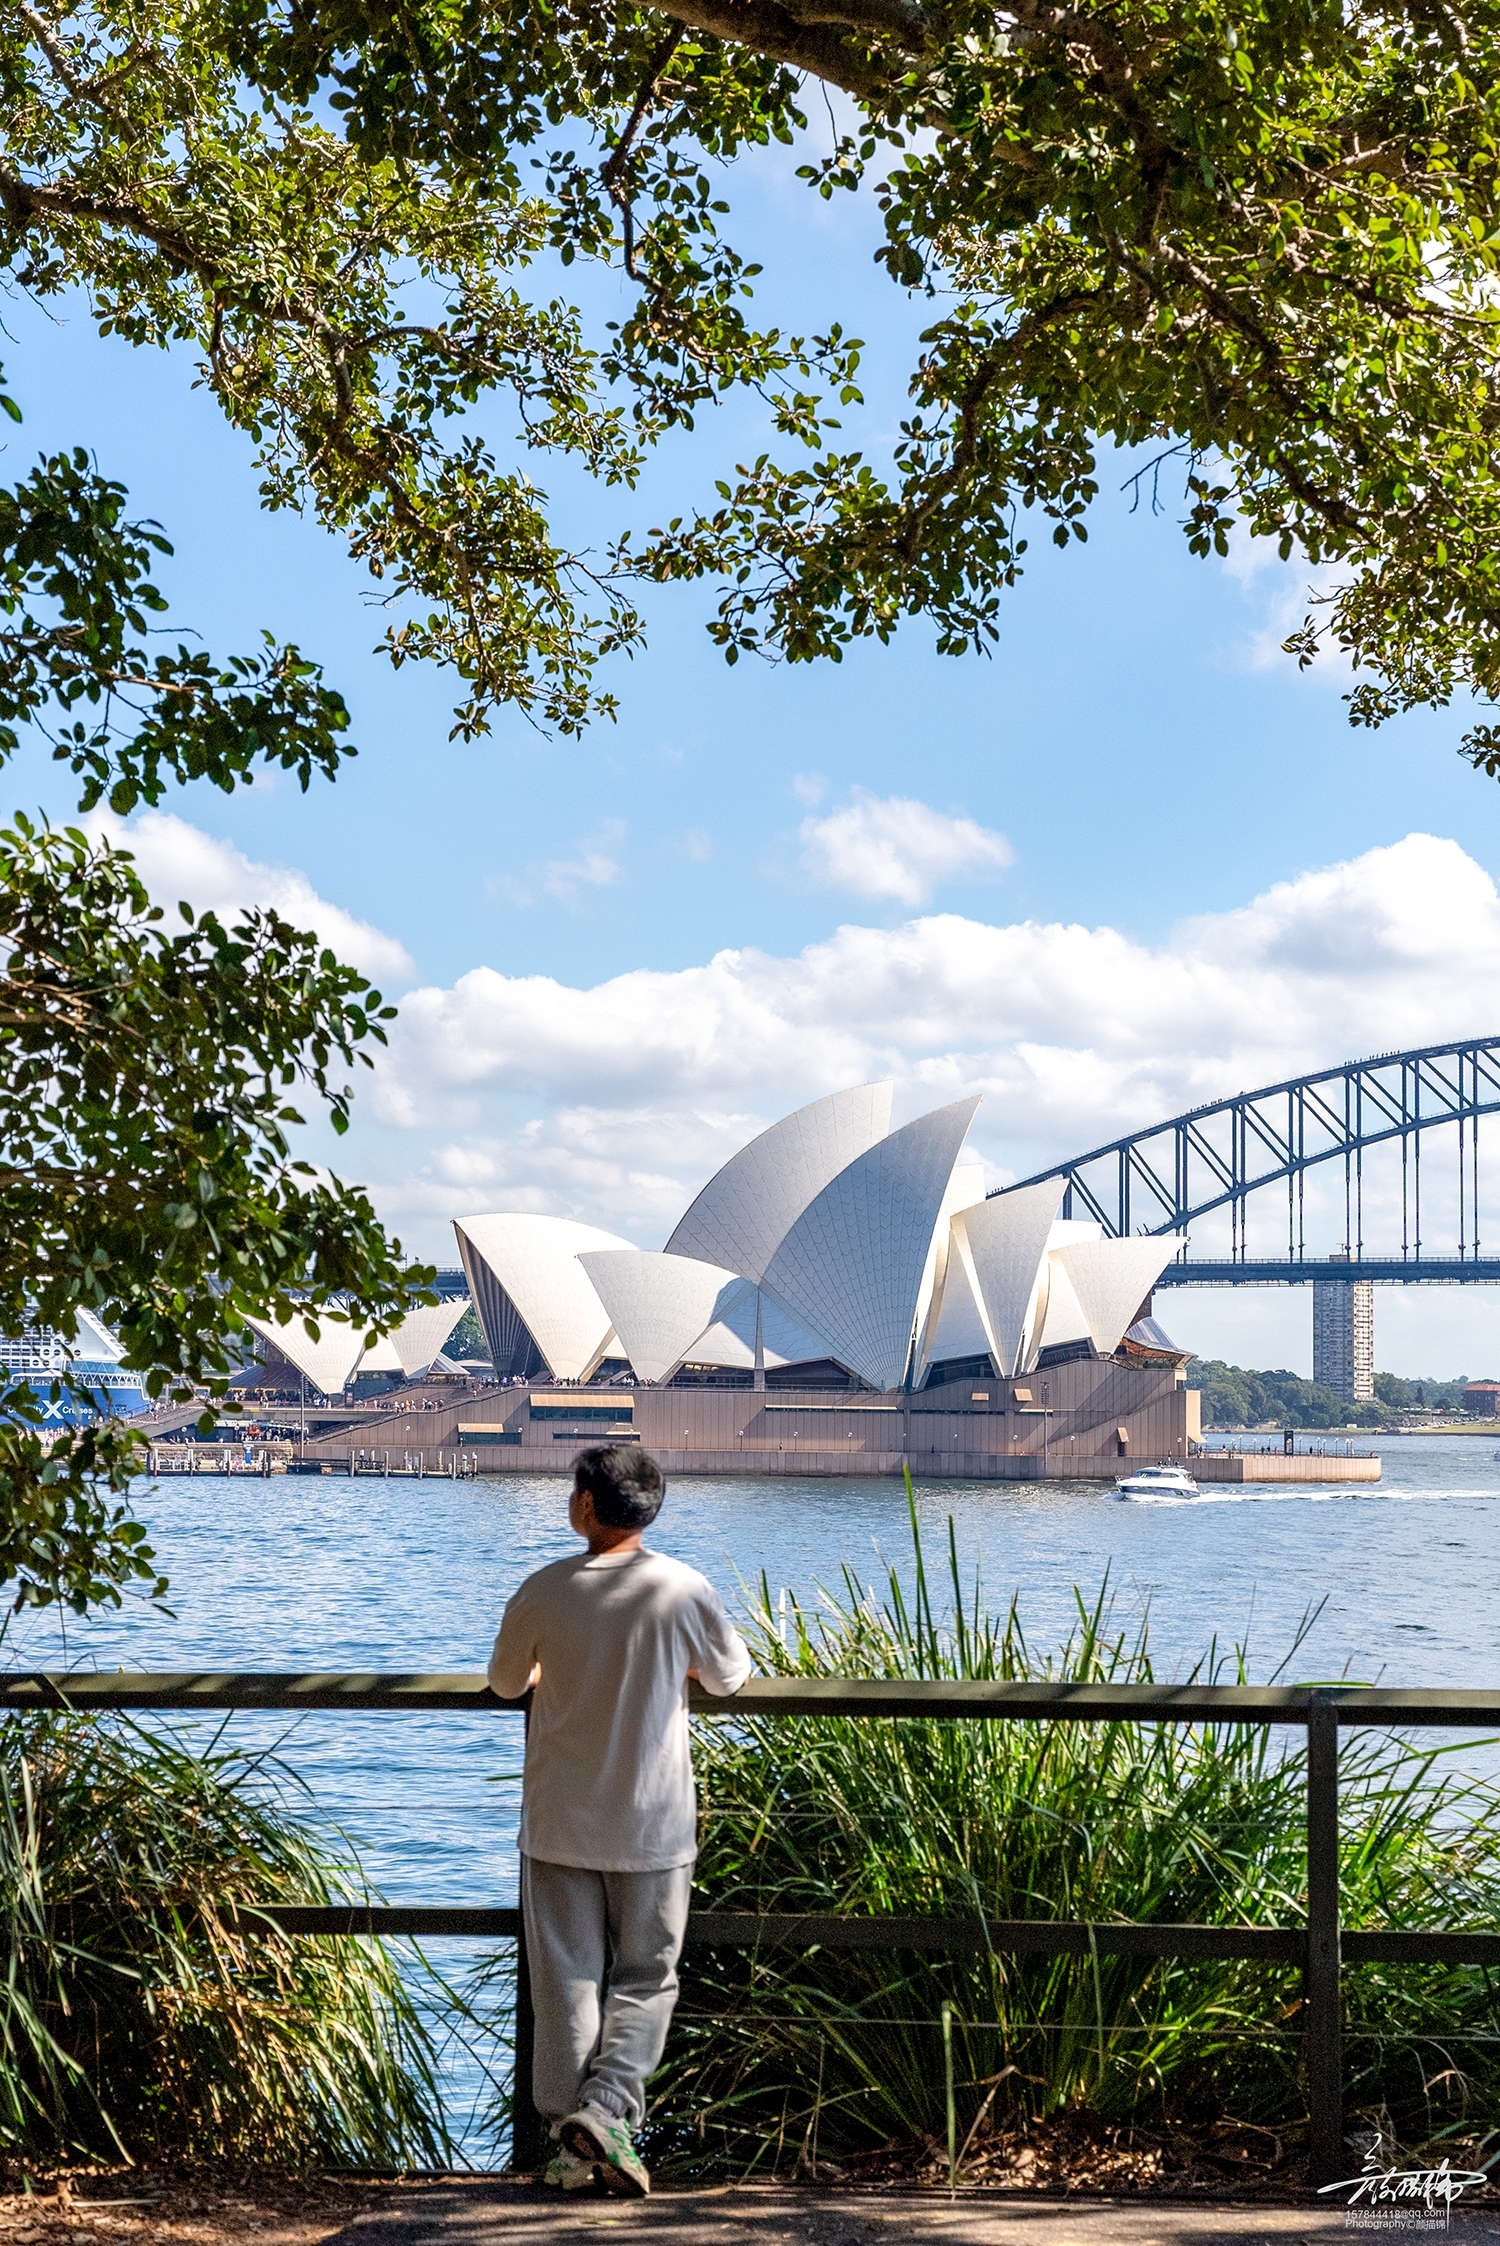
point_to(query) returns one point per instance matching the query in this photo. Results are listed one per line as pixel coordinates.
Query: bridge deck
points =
(1271, 1271)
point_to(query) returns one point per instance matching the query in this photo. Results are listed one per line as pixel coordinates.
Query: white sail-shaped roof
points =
(422, 1334)
(957, 1328)
(1068, 1231)
(1060, 1317)
(1002, 1246)
(671, 1309)
(852, 1265)
(730, 1340)
(746, 1210)
(966, 1185)
(417, 1342)
(659, 1304)
(329, 1361)
(947, 1313)
(534, 1262)
(1112, 1278)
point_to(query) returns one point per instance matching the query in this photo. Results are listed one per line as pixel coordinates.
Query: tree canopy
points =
(1253, 242)
(1235, 1397)
(1254, 237)
(148, 1067)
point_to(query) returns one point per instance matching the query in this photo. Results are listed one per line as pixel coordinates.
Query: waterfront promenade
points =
(493, 2212)
(484, 2210)
(1081, 1421)
(1273, 1464)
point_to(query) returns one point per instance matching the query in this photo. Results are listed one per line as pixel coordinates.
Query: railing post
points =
(528, 2142)
(1322, 1995)
(528, 2134)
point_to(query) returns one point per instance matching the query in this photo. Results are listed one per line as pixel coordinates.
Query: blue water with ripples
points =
(1402, 1577)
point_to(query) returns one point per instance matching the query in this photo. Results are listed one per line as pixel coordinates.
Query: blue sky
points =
(1152, 764)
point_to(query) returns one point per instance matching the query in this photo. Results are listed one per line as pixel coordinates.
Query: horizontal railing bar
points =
(452, 1692)
(948, 1936)
(816, 1930)
(1419, 1947)
(462, 1692)
(391, 1918)
(960, 1936)
(1113, 1703)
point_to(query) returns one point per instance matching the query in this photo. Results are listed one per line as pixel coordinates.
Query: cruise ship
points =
(39, 1356)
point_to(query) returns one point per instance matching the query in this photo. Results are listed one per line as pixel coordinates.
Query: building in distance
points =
(847, 1272)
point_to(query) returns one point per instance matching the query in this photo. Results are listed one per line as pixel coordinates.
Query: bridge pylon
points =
(1344, 1336)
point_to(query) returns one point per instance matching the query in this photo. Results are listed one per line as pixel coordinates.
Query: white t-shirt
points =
(609, 1777)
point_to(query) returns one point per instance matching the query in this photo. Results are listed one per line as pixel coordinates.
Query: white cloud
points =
(1289, 601)
(590, 867)
(180, 863)
(809, 788)
(1285, 593)
(894, 846)
(615, 1102)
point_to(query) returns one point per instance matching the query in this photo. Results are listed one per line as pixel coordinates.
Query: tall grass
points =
(145, 2012)
(781, 2057)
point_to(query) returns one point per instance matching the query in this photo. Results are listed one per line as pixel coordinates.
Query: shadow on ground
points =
(492, 2211)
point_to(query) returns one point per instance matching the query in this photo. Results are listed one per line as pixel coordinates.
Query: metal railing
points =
(1322, 1946)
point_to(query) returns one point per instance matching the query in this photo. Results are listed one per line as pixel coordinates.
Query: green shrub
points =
(145, 2010)
(777, 2055)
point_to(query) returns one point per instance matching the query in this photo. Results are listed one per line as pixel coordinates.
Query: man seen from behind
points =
(608, 1639)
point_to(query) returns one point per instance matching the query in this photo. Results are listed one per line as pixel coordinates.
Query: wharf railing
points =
(1322, 1946)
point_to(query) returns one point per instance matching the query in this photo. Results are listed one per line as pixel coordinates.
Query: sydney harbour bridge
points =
(1369, 1172)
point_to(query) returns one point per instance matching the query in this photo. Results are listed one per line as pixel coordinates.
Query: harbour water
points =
(292, 1573)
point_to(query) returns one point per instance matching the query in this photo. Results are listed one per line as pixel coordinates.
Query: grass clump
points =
(145, 2011)
(783, 2059)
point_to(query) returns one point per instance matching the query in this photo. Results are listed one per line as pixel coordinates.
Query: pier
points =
(1282, 1466)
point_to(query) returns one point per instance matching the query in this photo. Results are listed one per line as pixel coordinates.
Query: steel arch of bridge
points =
(1216, 1156)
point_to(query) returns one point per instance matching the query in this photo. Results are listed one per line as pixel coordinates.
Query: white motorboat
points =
(1157, 1481)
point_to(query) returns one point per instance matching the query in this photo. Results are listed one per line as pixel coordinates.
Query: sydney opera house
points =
(337, 1355)
(838, 1297)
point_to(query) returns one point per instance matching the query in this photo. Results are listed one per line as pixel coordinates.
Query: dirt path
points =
(120, 2209)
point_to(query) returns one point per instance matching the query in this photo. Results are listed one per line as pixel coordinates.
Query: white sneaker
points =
(567, 2171)
(603, 2139)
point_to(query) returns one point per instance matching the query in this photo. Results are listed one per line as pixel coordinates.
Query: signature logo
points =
(1385, 2197)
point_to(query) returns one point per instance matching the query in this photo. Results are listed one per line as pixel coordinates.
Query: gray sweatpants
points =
(602, 1948)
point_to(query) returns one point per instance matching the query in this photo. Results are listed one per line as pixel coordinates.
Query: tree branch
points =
(612, 171)
(818, 47)
(899, 18)
(970, 405)
(26, 200)
(62, 69)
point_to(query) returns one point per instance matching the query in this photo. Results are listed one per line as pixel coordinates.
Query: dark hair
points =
(626, 1485)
